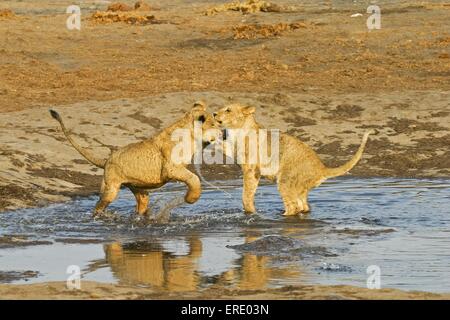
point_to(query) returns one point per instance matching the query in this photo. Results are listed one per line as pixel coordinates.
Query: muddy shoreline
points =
(96, 290)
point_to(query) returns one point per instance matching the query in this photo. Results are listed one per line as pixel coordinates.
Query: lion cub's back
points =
(139, 161)
(297, 154)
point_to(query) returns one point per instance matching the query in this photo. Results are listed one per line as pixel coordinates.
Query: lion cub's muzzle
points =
(216, 119)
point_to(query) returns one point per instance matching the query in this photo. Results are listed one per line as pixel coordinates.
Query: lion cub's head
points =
(234, 116)
(210, 128)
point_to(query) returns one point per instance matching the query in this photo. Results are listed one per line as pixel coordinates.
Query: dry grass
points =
(118, 6)
(254, 31)
(6, 14)
(126, 17)
(121, 12)
(123, 7)
(250, 6)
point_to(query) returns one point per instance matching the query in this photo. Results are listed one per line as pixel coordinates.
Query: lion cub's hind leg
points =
(303, 202)
(142, 199)
(108, 192)
(290, 199)
(295, 197)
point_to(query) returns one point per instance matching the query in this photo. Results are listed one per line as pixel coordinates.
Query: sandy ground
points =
(310, 70)
(96, 290)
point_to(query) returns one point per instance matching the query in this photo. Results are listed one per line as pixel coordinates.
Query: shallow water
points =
(400, 225)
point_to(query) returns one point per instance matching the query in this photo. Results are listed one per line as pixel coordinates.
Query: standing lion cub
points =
(298, 169)
(146, 165)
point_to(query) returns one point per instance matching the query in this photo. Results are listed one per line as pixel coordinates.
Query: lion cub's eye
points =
(228, 110)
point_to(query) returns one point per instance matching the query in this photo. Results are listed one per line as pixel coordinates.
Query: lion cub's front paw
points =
(97, 213)
(191, 198)
(249, 210)
(142, 212)
(289, 213)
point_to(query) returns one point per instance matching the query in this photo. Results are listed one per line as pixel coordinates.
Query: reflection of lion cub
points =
(147, 164)
(299, 170)
(156, 267)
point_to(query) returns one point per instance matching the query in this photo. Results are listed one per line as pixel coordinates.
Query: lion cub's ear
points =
(199, 106)
(198, 110)
(248, 110)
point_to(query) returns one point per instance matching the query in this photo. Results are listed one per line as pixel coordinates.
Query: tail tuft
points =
(55, 115)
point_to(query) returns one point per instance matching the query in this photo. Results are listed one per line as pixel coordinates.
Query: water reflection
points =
(186, 265)
(256, 272)
(152, 264)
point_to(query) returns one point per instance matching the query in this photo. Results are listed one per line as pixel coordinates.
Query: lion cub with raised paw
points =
(148, 164)
(298, 168)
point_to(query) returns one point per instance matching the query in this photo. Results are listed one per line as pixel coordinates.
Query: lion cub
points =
(148, 164)
(298, 169)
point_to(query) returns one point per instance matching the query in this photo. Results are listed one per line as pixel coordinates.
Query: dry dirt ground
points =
(44, 63)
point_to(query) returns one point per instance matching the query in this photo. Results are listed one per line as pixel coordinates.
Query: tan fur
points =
(145, 165)
(299, 170)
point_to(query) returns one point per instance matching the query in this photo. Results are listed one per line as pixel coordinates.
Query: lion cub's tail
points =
(85, 153)
(339, 171)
